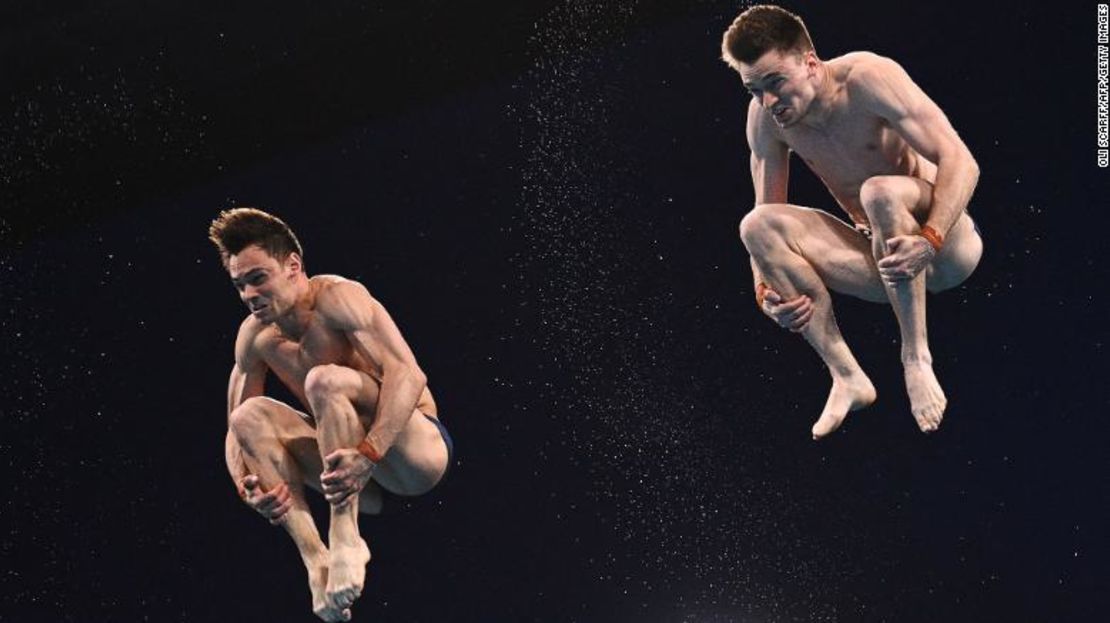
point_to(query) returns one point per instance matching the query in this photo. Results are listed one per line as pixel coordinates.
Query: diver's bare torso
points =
(290, 357)
(852, 144)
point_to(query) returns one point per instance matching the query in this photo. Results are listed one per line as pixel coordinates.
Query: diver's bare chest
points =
(846, 150)
(318, 346)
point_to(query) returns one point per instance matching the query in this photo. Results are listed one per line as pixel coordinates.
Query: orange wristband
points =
(760, 292)
(935, 240)
(368, 451)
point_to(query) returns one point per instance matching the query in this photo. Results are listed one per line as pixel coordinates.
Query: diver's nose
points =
(768, 100)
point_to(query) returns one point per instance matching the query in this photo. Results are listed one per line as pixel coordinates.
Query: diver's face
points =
(266, 285)
(783, 83)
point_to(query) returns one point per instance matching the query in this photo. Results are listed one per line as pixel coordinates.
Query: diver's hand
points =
(793, 314)
(906, 256)
(346, 472)
(272, 504)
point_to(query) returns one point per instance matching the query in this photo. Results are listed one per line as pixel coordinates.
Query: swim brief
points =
(446, 440)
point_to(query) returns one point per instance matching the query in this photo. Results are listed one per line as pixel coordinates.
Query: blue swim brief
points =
(446, 440)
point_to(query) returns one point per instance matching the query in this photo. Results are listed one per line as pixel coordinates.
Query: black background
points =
(545, 195)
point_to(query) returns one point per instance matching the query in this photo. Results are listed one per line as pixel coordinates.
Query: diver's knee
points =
(880, 190)
(762, 224)
(326, 381)
(250, 416)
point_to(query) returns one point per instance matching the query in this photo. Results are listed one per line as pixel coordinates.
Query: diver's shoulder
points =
(327, 287)
(856, 67)
(342, 303)
(246, 341)
(861, 58)
(323, 281)
(250, 328)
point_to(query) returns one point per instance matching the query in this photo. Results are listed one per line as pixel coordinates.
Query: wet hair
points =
(236, 229)
(760, 29)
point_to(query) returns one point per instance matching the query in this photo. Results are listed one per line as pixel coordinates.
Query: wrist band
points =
(241, 489)
(760, 292)
(935, 240)
(368, 451)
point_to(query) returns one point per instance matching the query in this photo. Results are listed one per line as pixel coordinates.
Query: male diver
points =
(369, 422)
(891, 160)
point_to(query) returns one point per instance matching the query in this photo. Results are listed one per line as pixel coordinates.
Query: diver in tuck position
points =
(893, 162)
(370, 423)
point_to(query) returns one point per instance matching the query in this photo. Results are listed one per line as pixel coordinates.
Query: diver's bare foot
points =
(317, 584)
(346, 574)
(927, 399)
(849, 393)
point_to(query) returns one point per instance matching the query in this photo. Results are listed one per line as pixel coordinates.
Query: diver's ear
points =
(810, 60)
(294, 264)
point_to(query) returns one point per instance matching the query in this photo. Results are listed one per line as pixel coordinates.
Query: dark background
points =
(545, 195)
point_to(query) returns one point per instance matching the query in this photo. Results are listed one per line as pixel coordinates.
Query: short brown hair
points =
(236, 229)
(760, 29)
